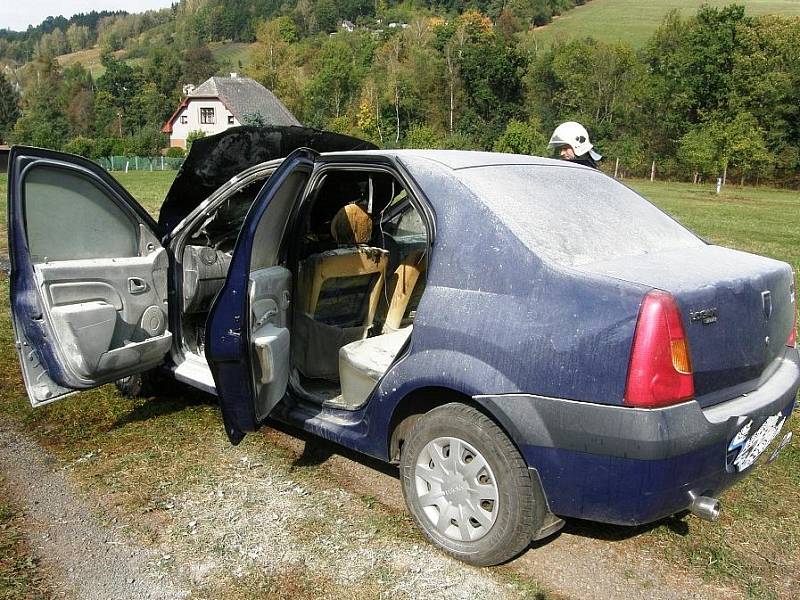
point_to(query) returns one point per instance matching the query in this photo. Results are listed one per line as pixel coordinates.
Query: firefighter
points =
(572, 142)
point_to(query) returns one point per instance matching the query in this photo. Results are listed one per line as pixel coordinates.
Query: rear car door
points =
(247, 334)
(88, 276)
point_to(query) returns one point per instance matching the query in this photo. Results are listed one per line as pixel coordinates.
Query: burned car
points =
(527, 339)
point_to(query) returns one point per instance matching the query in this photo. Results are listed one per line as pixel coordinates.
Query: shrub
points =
(175, 152)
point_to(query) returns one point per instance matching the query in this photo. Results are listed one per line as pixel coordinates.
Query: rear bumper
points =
(633, 466)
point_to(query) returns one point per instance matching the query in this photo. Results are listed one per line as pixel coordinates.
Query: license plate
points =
(754, 446)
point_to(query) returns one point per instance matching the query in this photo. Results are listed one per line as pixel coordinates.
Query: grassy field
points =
(634, 21)
(144, 444)
(89, 58)
(235, 55)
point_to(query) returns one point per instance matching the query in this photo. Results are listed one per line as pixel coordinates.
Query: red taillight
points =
(660, 372)
(791, 341)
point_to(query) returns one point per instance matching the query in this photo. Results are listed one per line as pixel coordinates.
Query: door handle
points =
(136, 285)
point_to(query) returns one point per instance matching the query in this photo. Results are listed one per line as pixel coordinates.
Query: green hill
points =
(633, 21)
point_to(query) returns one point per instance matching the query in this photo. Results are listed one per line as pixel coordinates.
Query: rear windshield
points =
(574, 216)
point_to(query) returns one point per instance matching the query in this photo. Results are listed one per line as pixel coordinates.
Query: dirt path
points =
(250, 532)
(86, 558)
(250, 517)
(584, 561)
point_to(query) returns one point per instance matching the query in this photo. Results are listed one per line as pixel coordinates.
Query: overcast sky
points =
(18, 14)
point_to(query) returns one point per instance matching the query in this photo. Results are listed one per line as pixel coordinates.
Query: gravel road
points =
(255, 520)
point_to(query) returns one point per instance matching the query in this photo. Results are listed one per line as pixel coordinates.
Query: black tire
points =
(520, 511)
(139, 385)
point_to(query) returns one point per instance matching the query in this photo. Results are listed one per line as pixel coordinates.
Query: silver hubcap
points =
(456, 489)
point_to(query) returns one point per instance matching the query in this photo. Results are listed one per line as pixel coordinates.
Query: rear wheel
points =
(467, 487)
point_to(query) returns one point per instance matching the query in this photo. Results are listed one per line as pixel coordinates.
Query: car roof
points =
(463, 159)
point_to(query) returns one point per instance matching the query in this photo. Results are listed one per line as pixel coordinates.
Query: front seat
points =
(338, 293)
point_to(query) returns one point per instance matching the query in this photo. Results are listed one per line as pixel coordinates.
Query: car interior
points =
(346, 288)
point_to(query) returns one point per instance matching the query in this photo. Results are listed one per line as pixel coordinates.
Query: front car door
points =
(88, 276)
(247, 335)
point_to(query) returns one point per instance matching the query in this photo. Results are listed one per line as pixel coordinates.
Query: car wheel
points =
(137, 385)
(467, 487)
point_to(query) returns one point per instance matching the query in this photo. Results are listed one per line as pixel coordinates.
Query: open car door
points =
(247, 333)
(88, 276)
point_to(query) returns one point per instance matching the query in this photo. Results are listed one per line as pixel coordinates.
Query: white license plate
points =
(755, 445)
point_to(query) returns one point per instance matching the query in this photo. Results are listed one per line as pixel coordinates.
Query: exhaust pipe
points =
(705, 507)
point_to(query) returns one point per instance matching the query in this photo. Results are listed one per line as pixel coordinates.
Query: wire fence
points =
(140, 163)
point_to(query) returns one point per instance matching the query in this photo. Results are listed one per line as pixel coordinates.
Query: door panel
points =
(250, 379)
(96, 311)
(88, 276)
(269, 296)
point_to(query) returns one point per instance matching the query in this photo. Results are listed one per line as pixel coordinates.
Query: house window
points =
(230, 119)
(207, 116)
(184, 119)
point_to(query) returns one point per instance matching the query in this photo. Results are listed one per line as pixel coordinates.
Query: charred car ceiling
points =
(215, 159)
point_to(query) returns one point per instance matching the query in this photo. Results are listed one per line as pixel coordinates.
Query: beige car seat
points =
(404, 281)
(338, 293)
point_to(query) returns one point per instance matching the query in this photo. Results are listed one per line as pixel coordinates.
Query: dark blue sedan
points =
(528, 339)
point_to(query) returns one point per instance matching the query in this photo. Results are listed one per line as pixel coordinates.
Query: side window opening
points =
(106, 230)
(361, 259)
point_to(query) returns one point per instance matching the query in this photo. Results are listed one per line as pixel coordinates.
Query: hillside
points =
(634, 21)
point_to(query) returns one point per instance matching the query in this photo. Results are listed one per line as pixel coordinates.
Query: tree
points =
(492, 77)
(700, 149)
(192, 136)
(78, 37)
(163, 68)
(9, 106)
(271, 54)
(522, 138)
(423, 136)
(198, 65)
(43, 122)
(745, 148)
(255, 119)
(338, 68)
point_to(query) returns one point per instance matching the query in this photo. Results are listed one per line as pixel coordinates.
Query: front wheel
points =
(467, 487)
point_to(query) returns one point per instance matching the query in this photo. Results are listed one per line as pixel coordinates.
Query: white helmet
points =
(571, 134)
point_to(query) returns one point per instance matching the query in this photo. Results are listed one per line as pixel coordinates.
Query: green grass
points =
(634, 21)
(231, 54)
(149, 449)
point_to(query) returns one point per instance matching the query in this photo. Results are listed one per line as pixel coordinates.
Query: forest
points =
(711, 93)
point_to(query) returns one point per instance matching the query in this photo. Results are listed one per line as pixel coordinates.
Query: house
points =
(348, 26)
(223, 102)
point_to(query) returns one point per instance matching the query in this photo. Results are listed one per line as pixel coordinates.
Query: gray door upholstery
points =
(108, 314)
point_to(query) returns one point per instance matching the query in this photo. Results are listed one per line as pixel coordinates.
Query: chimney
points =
(234, 75)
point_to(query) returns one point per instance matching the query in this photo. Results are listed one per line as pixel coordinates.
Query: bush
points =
(82, 146)
(175, 152)
(148, 142)
(422, 136)
(194, 135)
(522, 138)
(108, 147)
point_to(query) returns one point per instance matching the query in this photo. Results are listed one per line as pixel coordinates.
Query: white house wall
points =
(180, 131)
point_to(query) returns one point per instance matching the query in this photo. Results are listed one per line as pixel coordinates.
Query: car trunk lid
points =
(738, 310)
